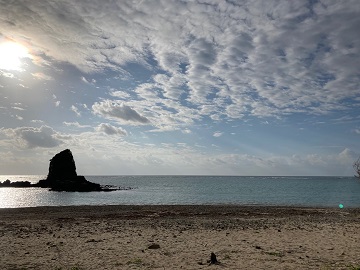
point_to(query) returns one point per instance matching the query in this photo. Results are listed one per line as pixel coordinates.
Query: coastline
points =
(121, 236)
(142, 211)
(149, 190)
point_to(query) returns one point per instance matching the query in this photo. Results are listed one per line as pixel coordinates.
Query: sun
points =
(11, 55)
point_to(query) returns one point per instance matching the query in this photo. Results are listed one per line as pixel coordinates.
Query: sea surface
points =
(155, 190)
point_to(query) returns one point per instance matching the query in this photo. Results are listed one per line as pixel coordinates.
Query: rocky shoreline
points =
(78, 186)
(62, 176)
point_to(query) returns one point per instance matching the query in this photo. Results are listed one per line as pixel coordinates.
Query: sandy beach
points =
(179, 237)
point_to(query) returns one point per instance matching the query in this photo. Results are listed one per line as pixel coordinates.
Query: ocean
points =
(178, 190)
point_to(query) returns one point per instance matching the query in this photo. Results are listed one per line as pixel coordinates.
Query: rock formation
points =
(8, 183)
(62, 176)
(62, 166)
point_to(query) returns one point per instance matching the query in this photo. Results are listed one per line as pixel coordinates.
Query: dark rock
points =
(213, 259)
(62, 176)
(154, 246)
(8, 183)
(77, 183)
(62, 166)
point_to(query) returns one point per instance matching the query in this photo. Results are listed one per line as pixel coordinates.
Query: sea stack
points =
(62, 175)
(62, 166)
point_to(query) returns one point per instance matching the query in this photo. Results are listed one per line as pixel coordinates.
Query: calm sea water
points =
(153, 190)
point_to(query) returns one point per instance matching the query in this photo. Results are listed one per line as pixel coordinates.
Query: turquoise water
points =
(281, 191)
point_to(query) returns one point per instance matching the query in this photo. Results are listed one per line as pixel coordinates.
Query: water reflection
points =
(32, 197)
(20, 197)
(310, 191)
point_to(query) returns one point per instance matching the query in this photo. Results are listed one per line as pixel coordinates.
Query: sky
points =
(172, 87)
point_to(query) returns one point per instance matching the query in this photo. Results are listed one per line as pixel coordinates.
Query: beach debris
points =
(213, 259)
(154, 246)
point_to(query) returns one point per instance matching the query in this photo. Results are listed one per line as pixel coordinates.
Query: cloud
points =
(6, 74)
(172, 86)
(30, 137)
(272, 59)
(111, 130)
(37, 121)
(118, 111)
(18, 108)
(42, 76)
(180, 65)
(347, 156)
(75, 124)
(119, 94)
(57, 102)
(92, 81)
(75, 110)
(164, 114)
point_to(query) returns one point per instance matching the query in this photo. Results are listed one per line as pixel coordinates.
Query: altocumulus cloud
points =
(118, 111)
(183, 66)
(111, 130)
(269, 58)
(31, 137)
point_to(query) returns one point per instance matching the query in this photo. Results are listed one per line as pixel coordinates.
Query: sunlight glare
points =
(11, 54)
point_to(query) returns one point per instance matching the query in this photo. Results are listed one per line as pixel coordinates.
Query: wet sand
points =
(179, 237)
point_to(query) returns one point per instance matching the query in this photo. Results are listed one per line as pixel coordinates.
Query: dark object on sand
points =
(213, 259)
(154, 246)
